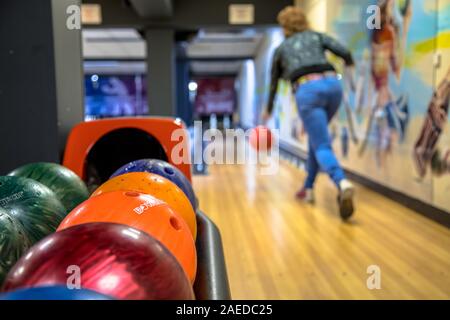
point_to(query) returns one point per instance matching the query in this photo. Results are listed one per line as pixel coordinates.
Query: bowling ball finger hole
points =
(169, 171)
(175, 223)
(131, 194)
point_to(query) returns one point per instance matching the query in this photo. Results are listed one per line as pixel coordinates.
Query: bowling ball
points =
(261, 138)
(111, 259)
(32, 204)
(53, 293)
(163, 169)
(69, 188)
(13, 242)
(143, 212)
(156, 186)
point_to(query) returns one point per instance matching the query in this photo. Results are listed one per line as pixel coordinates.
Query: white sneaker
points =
(345, 199)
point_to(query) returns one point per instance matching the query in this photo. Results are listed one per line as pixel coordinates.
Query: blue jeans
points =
(318, 101)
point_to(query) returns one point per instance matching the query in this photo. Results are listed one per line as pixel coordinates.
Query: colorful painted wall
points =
(393, 126)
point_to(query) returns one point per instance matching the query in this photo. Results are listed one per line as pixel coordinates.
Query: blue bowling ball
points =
(53, 293)
(163, 169)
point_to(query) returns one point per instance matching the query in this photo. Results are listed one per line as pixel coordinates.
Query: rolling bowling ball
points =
(261, 138)
(69, 188)
(163, 169)
(53, 293)
(156, 186)
(13, 242)
(32, 204)
(111, 259)
(143, 212)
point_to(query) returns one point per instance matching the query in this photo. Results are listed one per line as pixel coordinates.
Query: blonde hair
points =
(292, 19)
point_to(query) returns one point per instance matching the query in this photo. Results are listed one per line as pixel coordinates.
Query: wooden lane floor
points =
(279, 248)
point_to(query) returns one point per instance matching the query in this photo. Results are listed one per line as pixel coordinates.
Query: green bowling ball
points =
(29, 211)
(31, 203)
(13, 242)
(69, 188)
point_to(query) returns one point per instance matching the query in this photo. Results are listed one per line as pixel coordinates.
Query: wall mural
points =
(393, 125)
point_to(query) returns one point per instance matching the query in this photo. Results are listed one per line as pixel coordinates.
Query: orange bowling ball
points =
(143, 212)
(157, 186)
(261, 138)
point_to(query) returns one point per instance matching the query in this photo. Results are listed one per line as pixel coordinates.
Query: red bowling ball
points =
(112, 259)
(261, 138)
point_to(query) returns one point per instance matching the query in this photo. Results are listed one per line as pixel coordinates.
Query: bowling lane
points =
(279, 248)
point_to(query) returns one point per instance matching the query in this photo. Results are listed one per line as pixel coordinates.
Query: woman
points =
(301, 59)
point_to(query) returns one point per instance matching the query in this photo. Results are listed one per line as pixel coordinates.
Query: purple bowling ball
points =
(163, 169)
